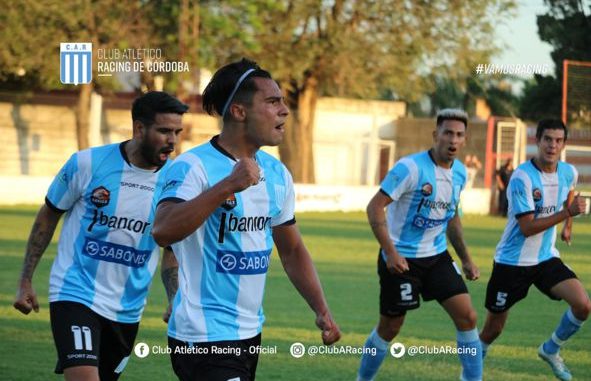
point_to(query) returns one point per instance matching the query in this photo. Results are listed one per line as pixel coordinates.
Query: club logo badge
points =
(100, 197)
(537, 195)
(230, 202)
(75, 63)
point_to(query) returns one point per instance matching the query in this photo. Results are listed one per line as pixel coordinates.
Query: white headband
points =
(240, 80)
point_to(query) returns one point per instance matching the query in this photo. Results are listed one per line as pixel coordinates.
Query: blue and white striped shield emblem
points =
(75, 62)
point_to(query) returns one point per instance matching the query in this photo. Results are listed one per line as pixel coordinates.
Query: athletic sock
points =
(470, 354)
(370, 363)
(484, 348)
(567, 327)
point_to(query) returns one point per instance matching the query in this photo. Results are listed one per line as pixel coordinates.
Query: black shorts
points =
(83, 337)
(435, 277)
(509, 284)
(215, 361)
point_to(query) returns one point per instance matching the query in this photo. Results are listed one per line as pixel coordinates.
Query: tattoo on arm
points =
(39, 239)
(170, 279)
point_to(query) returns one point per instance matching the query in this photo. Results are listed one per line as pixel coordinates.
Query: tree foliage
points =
(463, 93)
(30, 42)
(362, 49)
(353, 48)
(200, 32)
(567, 27)
(32, 31)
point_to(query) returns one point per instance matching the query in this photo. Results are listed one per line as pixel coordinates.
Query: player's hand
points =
(331, 332)
(577, 206)
(396, 263)
(245, 174)
(26, 298)
(166, 314)
(565, 235)
(471, 271)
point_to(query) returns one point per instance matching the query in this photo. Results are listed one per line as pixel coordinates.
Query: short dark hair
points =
(219, 90)
(452, 114)
(550, 124)
(145, 108)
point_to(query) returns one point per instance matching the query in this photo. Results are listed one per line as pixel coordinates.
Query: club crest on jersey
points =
(427, 189)
(230, 202)
(100, 197)
(537, 195)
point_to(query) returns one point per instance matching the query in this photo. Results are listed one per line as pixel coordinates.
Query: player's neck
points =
(544, 166)
(236, 144)
(135, 157)
(438, 160)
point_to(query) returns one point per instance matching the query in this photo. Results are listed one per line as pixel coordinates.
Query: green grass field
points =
(345, 255)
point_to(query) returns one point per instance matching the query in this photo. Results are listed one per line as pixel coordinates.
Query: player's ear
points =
(434, 133)
(139, 129)
(238, 112)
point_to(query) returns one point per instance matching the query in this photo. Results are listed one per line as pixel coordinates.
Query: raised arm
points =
(531, 226)
(39, 238)
(176, 220)
(302, 274)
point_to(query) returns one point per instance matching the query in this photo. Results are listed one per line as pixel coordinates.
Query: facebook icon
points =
(75, 62)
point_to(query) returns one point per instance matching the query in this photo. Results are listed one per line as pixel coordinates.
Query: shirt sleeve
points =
(184, 181)
(67, 187)
(288, 205)
(464, 174)
(399, 180)
(575, 179)
(519, 194)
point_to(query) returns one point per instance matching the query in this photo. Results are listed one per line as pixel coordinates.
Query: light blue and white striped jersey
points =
(223, 264)
(106, 254)
(531, 190)
(425, 197)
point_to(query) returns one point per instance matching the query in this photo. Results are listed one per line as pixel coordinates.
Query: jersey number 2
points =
(405, 291)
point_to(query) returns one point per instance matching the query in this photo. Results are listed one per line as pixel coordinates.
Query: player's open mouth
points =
(452, 150)
(165, 153)
(280, 127)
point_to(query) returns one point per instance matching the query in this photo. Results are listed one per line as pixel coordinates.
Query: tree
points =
(33, 30)
(541, 98)
(184, 30)
(361, 49)
(463, 93)
(201, 32)
(567, 27)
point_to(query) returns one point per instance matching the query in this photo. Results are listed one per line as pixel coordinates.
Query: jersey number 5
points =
(501, 299)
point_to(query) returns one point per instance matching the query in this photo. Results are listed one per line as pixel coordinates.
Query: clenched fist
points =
(245, 174)
(578, 206)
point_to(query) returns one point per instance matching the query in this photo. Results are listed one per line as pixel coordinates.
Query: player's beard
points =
(150, 154)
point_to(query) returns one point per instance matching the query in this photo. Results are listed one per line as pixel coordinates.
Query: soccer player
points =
(224, 204)
(106, 256)
(421, 194)
(541, 195)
